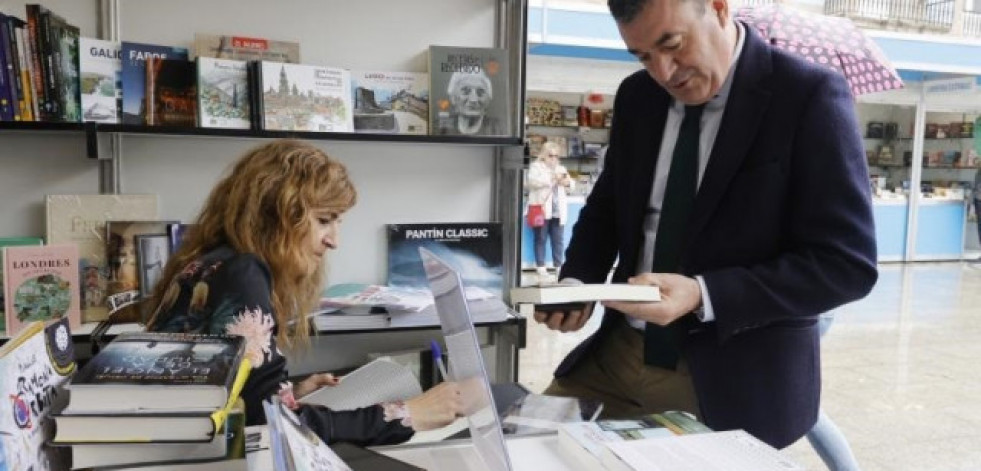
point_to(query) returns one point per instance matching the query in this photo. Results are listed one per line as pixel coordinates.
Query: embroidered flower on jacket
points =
(256, 326)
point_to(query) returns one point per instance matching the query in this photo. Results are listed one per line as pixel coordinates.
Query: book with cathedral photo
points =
(390, 102)
(469, 92)
(300, 97)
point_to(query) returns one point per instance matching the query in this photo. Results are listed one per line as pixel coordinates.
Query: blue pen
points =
(438, 355)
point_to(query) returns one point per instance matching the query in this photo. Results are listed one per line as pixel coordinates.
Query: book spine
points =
(48, 106)
(9, 45)
(25, 79)
(37, 54)
(27, 70)
(150, 90)
(255, 95)
(56, 97)
(7, 94)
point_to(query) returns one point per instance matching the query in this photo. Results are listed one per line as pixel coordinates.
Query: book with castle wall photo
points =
(390, 102)
(171, 92)
(81, 220)
(34, 365)
(40, 283)
(469, 93)
(99, 80)
(300, 97)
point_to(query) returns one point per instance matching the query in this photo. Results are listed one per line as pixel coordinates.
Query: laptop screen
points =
(466, 365)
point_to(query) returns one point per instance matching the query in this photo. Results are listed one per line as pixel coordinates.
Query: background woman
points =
(548, 184)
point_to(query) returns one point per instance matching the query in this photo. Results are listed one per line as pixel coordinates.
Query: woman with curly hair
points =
(253, 265)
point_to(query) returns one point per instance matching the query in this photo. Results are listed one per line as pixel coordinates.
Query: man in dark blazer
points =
(780, 229)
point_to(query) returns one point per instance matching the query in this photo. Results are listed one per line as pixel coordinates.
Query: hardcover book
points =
(391, 102)
(124, 293)
(81, 220)
(133, 74)
(223, 93)
(297, 97)
(581, 293)
(476, 250)
(171, 92)
(40, 283)
(469, 91)
(6, 242)
(246, 49)
(99, 80)
(157, 371)
(34, 366)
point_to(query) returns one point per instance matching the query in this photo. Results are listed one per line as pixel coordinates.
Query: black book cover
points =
(476, 250)
(171, 92)
(165, 358)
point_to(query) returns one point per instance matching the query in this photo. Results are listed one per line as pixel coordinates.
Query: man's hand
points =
(313, 383)
(679, 296)
(564, 321)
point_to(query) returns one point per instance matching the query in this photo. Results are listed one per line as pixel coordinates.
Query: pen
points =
(438, 356)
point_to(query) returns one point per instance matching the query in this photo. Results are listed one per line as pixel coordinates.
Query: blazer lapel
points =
(651, 113)
(748, 102)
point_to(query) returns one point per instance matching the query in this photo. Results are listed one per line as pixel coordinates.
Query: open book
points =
(568, 293)
(382, 380)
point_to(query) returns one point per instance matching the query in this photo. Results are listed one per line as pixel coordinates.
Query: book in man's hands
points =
(569, 293)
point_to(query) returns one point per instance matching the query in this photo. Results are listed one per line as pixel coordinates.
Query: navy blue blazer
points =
(781, 231)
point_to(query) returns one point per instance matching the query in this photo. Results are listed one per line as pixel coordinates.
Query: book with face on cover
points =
(469, 93)
(81, 220)
(40, 283)
(34, 365)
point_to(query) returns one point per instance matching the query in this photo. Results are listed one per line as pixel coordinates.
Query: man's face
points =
(686, 50)
(471, 97)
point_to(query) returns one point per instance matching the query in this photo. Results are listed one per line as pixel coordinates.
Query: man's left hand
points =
(679, 296)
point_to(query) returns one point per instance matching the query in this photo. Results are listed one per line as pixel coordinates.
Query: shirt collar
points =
(718, 102)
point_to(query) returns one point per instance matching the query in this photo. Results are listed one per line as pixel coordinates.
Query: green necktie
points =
(661, 343)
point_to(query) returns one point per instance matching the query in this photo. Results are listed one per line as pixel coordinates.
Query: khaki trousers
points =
(616, 375)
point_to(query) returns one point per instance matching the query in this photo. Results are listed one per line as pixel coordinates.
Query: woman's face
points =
(323, 235)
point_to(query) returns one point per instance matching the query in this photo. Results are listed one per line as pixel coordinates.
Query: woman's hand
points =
(313, 383)
(435, 408)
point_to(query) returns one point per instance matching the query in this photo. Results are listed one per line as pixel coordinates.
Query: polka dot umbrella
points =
(831, 41)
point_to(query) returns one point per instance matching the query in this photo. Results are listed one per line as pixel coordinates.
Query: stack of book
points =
(158, 397)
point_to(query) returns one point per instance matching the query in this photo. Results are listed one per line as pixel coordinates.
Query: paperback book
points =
(171, 92)
(7, 242)
(133, 76)
(582, 293)
(81, 220)
(476, 250)
(298, 97)
(244, 48)
(469, 91)
(34, 365)
(99, 80)
(223, 93)
(391, 102)
(40, 284)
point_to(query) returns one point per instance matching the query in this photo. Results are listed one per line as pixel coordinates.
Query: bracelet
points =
(397, 410)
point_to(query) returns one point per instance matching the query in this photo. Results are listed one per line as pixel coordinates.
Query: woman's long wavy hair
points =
(262, 207)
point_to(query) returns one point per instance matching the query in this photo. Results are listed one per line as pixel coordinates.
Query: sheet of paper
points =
(381, 380)
(733, 450)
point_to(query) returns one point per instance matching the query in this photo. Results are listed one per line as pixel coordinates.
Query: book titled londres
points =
(40, 284)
